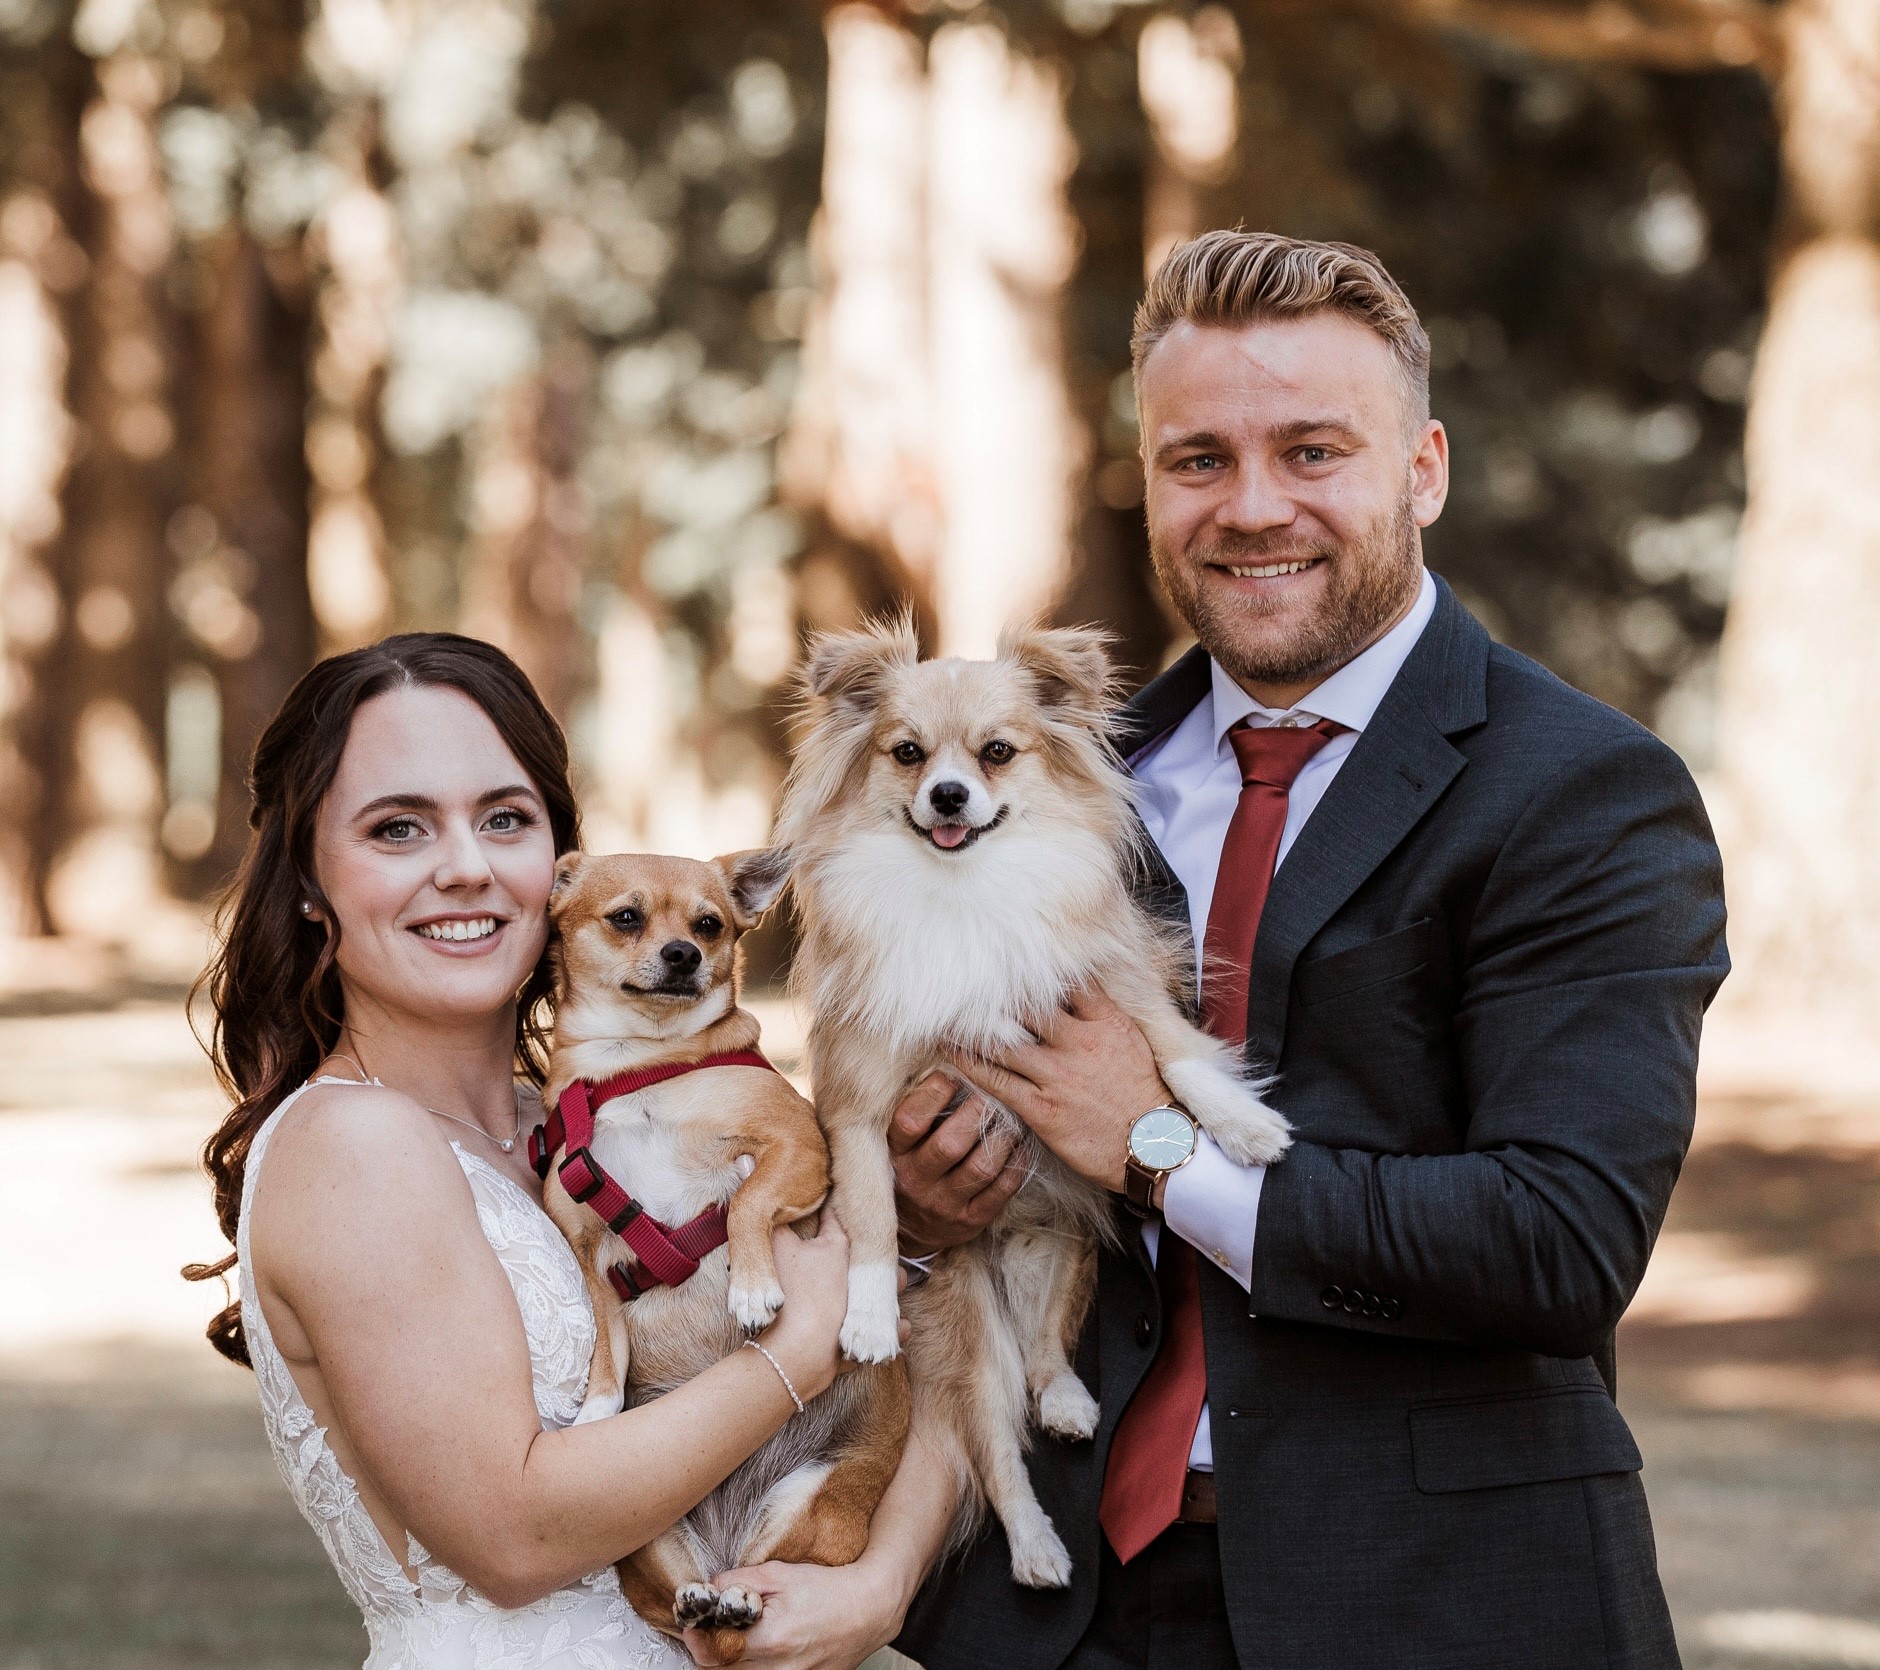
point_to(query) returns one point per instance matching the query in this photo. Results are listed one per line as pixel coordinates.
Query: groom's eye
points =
(628, 920)
(997, 752)
(908, 753)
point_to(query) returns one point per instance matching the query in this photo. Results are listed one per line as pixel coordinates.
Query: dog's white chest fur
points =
(660, 1159)
(962, 950)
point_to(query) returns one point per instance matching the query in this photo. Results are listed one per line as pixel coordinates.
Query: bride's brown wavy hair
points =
(273, 983)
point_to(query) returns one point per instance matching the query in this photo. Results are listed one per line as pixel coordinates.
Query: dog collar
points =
(666, 1256)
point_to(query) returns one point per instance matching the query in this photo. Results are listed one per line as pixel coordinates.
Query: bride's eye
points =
(399, 831)
(509, 821)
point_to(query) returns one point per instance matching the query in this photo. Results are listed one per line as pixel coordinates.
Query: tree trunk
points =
(529, 525)
(243, 588)
(1186, 69)
(41, 267)
(359, 279)
(858, 456)
(1800, 675)
(98, 741)
(1008, 450)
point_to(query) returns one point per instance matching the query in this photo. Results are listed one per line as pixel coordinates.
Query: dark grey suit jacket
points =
(1480, 973)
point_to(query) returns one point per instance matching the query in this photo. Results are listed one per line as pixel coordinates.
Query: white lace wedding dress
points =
(440, 1622)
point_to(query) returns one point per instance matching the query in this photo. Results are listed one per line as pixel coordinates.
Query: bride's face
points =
(434, 850)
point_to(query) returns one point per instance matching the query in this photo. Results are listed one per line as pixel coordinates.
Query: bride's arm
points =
(370, 1240)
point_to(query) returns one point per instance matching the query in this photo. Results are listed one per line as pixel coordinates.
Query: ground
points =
(143, 1526)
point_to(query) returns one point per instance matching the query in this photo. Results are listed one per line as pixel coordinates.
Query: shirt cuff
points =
(1213, 1204)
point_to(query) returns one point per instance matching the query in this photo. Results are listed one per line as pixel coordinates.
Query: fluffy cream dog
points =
(962, 837)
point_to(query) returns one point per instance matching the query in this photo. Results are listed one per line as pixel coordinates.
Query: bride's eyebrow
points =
(398, 802)
(426, 803)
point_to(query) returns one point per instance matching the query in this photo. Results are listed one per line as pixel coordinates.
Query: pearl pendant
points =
(508, 1145)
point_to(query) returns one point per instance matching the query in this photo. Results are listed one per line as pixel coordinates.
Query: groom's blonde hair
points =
(1244, 278)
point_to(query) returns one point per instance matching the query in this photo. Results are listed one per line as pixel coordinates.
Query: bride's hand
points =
(814, 1275)
(815, 1617)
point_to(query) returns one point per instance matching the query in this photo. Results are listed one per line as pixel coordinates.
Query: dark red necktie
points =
(1148, 1465)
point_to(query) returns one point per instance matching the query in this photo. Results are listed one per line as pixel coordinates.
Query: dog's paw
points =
(1243, 1127)
(1039, 1558)
(755, 1307)
(871, 1332)
(695, 1606)
(1067, 1410)
(600, 1405)
(870, 1339)
(738, 1608)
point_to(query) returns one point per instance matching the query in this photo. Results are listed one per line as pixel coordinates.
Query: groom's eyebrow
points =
(1300, 428)
(1199, 440)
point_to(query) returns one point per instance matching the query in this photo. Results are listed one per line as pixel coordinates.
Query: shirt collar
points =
(1349, 697)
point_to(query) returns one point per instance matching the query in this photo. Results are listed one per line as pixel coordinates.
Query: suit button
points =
(1371, 1305)
(1354, 1302)
(1332, 1298)
(1392, 1309)
(1144, 1329)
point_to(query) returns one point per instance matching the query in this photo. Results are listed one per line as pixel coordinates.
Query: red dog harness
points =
(667, 1256)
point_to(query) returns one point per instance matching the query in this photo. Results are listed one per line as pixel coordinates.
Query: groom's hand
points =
(1080, 1086)
(950, 1181)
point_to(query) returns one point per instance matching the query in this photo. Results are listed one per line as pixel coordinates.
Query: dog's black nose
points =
(680, 956)
(949, 799)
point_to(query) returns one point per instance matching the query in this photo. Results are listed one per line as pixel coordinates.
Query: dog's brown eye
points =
(908, 753)
(997, 752)
(708, 927)
(628, 920)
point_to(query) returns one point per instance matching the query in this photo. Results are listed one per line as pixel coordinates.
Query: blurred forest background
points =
(641, 338)
(644, 337)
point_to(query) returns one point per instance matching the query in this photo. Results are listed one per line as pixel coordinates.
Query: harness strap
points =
(667, 1256)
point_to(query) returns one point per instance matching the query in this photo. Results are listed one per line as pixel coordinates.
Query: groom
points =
(1357, 1407)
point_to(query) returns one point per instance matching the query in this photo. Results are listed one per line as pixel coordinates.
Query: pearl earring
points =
(306, 907)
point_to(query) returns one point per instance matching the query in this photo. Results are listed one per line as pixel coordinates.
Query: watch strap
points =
(1139, 1184)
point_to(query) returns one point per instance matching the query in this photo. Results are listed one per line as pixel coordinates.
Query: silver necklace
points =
(506, 1144)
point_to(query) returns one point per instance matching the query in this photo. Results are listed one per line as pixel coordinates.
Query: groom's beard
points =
(1370, 582)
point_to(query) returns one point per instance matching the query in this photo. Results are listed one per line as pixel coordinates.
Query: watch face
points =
(1161, 1139)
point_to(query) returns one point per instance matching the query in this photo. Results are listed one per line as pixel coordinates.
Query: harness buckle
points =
(619, 1221)
(620, 1279)
(580, 1176)
(540, 1154)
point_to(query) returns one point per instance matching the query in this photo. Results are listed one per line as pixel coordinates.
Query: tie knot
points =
(1276, 754)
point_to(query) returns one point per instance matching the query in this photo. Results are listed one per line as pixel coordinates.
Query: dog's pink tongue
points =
(950, 835)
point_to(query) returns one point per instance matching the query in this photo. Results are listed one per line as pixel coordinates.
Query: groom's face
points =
(1288, 481)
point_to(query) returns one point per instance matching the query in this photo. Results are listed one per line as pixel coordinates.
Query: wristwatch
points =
(1161, 1140)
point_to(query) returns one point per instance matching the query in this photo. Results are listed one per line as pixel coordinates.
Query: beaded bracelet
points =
(753, 1344)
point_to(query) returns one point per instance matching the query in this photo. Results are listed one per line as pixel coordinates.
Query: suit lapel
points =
(1154, 711)
(1399, 769)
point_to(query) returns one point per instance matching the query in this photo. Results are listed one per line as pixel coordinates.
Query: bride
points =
(418, 1329)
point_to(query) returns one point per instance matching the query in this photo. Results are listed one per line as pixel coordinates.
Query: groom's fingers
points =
(920, 1108)
(1016, 1092)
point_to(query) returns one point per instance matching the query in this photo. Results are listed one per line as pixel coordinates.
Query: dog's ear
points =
(848, 667)
(567, 868)
(1071, 665)
(755, 880)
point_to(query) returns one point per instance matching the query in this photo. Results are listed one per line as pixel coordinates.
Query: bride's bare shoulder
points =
(356, 1147)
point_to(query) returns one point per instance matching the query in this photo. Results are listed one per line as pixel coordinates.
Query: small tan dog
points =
(963, 838)
(647, 990)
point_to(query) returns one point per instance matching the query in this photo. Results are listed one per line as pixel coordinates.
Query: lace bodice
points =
(440, 1622)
